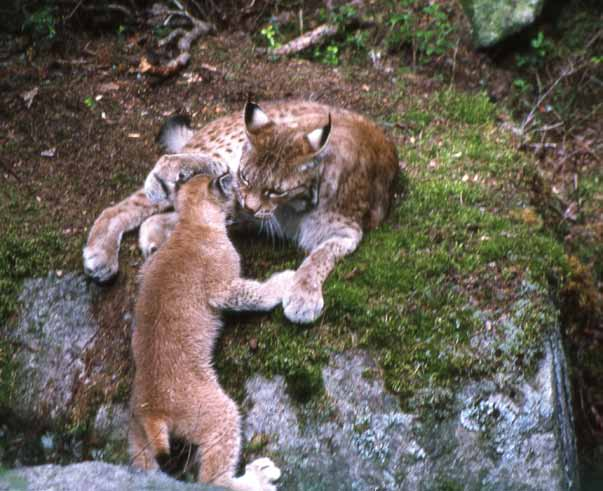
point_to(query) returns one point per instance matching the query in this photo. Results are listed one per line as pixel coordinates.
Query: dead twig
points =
(569, 70)
(70, 15)
(300, 43)
(187, 38)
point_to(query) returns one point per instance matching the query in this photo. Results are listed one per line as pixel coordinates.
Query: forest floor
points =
(77, 134)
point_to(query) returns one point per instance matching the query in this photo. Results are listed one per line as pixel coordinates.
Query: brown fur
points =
(322, 193)
(176, 391)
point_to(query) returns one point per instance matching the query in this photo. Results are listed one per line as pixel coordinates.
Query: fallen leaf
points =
(144, 65)
(108, 87)
(29, 95)
(210, 68)
(50, 153)
(571, 213)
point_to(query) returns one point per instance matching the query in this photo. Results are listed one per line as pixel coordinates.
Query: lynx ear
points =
(255, 118)
(318, 138)
(223, 184)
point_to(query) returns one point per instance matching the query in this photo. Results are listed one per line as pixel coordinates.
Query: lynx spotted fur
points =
(176, 391)
(311, 173)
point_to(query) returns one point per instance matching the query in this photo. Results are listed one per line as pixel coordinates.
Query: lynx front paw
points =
(303, 305)
(264, 473)
(99, 264)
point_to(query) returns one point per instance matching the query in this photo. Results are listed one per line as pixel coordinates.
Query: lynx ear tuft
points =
(319, 137)
(255, 118)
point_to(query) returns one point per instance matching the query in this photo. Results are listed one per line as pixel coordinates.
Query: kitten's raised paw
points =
(303, 306)
(100, 265)
(264, 472)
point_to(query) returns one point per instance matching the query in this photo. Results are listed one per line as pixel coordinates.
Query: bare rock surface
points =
(87, 476)
(54, 329)
(361, 440)
(509, 431)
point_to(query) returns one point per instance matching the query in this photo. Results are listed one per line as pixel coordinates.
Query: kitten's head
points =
(280, 165)
(202, 193)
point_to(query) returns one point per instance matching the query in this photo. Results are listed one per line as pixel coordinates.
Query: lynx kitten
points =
(176, 392)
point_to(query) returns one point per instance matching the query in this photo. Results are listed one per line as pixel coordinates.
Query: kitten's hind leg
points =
(216, 429)
(147, 443)
(246, 294)
(102, 248)
(155, 230)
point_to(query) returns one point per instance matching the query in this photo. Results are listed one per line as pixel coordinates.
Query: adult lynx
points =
(184, 285)
(315, 174)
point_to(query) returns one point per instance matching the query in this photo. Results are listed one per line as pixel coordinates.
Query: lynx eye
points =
(274, 194)
(242, 178)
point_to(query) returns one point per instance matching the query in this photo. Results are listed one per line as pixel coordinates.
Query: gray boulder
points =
(358, 438)
(495, 20)
(54, 329)
(512, 430)
(91, 476)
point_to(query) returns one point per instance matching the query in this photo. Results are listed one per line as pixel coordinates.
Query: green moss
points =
(461, 107)
(22, 257)
(24, 252)
(457, 252)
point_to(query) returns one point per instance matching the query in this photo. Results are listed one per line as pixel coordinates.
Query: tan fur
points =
(155, 231)
(184, 285)
(321, 197)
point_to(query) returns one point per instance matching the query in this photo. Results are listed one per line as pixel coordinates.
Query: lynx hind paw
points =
(100, 265)
(264, 472)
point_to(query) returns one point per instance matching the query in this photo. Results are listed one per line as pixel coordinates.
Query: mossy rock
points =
(495, 20)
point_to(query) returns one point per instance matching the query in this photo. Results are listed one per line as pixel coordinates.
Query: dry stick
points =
(171, 36)
(570, 70)
(310, 38)
(564, 74)
(74, 10)
(184, 44)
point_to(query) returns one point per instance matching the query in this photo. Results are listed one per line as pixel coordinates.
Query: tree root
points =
(306, 40)
(187, 38)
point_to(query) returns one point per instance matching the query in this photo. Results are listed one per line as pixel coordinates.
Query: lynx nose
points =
(251, 205)
(249, 210)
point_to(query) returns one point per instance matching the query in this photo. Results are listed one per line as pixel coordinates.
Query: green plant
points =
(329, 55)
(521, 85)
(121, 32)
(541, 46)
(89, 102)
(42, 23)
(426, 29)
(343, 15)
(540, 49)
(349, 37)
(270, 33)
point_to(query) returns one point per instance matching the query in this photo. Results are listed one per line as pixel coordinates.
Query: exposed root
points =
(300, 43)
(187, 38)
